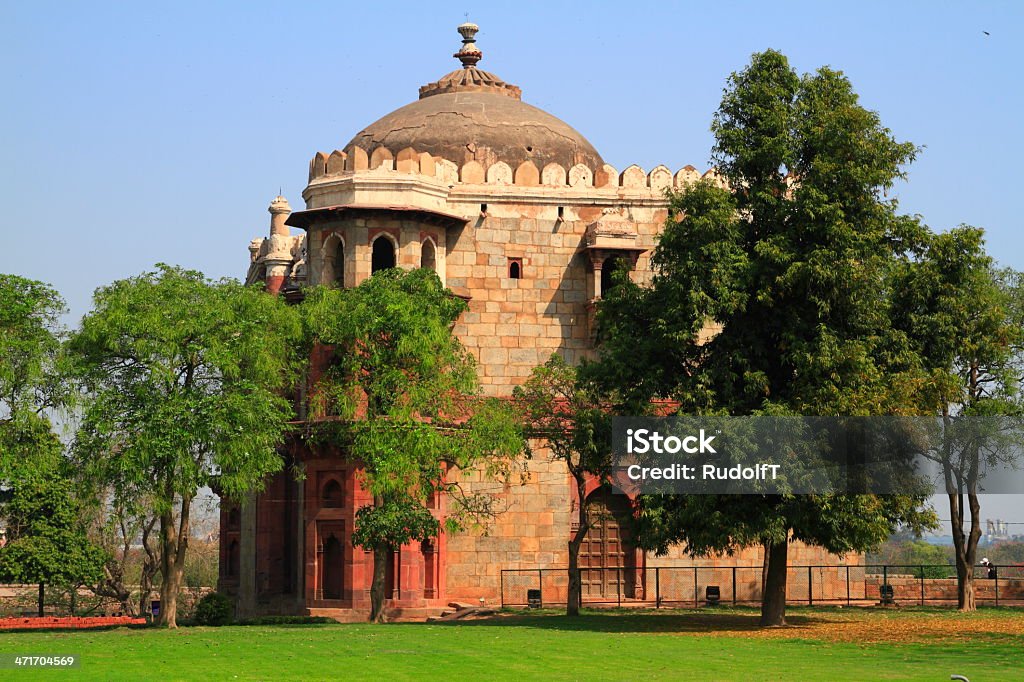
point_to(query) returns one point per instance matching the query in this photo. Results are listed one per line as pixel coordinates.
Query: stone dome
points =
(470, 115)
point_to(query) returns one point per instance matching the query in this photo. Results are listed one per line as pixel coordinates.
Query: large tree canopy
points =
(185, 381)
(399, 395)
(791, 261)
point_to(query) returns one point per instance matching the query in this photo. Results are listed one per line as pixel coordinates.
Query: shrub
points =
(213, 609)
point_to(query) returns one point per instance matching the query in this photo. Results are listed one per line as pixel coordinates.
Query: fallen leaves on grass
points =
(871, 627)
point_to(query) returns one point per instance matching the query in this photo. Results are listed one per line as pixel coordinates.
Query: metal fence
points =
(688, 586)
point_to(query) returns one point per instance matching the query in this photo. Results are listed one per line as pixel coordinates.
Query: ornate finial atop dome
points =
(469, 78)
(470, 54)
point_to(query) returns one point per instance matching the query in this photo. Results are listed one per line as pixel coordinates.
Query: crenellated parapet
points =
(354, 159)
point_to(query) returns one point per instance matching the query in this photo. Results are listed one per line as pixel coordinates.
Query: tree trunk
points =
(767, 547)
(381, 556)
(42, 596)
(575, 599)
(175, 546)
(150, 567)
(773, 601)
(965, 548)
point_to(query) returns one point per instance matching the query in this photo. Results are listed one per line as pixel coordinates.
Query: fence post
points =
(657, 588)
(810, 587)
(695, 604)
(922, 586)
(618, 584)
(997, 585)
(502, 587)
(848, 583)
(540, 586)
(734, 586)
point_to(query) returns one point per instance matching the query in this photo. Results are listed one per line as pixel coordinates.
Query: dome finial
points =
(470, 54)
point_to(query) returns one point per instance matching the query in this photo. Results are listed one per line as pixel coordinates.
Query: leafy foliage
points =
(564, 412)
(966, 320)
(214, 609)
(400, 396)
(394, 523)
(185, 381)
(30, 374)
(46, 542)
(791, 264)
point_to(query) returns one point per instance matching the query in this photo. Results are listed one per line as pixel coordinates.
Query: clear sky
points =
(133, 133)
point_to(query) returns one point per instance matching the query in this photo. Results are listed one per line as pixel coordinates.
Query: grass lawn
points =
(721, 644)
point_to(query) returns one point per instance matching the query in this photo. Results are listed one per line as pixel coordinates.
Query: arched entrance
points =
(607, 555)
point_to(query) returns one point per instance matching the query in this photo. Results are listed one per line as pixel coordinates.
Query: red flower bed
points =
(51, 622)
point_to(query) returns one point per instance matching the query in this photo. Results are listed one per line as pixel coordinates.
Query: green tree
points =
(31, 384)
(46, 540)
(184, 380)
(967, 319)
(46, 543)
(567, 416)
(914, 556)
(791, 261)
(404, 393)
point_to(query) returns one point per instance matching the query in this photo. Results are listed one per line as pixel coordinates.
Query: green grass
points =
(722, 645)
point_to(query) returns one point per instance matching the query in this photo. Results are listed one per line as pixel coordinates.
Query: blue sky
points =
(133, 133)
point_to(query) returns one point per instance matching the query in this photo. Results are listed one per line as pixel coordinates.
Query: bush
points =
(213, 609)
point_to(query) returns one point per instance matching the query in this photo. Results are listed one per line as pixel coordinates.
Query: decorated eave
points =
(610, 236)
(303, 219)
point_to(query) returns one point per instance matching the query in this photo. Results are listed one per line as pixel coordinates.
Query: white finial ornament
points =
(470, 54)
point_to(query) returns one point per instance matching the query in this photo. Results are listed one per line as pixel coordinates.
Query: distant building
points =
(517, 213)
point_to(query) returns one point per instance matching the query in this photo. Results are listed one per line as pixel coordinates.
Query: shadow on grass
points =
(615, 620)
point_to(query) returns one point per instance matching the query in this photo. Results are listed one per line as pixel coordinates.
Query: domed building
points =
(519, 215)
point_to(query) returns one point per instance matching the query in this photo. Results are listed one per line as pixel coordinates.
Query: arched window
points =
(608, 270)
(339, 264)
(234, 519)
(383, 255)
(428, 255)
(333, 495)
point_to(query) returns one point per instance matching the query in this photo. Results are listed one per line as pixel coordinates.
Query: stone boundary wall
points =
(907, 588)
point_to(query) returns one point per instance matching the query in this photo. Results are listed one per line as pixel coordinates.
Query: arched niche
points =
(428, 255)
(612, 265)
(333, 270)
(332, 577)
(333, 495)
(383, 253)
